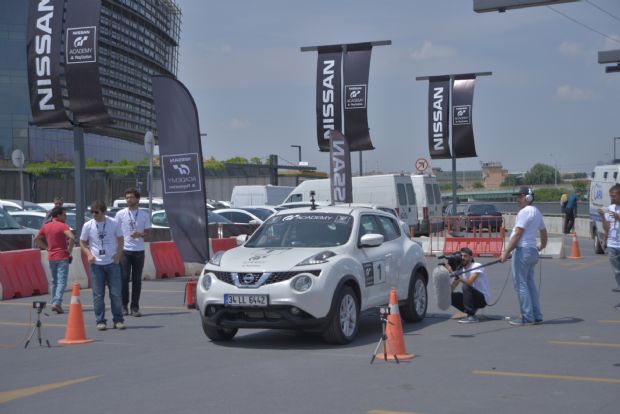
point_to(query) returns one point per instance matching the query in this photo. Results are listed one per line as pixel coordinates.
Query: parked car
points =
(159, 219)
(244, 215)
(455, 220)
(13, 235)
(486, 215)
(29, 205)
(34, 219)
(49, 206)
(314, 270)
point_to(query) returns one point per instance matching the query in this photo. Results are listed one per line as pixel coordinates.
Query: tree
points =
(256, 160)
(237, 160)
(581, 185)
(511, 181)
(478, 184)
(542, 174)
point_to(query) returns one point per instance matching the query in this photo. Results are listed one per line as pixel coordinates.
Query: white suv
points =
(316, 269)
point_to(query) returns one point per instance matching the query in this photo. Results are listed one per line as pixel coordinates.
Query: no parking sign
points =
(421, 165)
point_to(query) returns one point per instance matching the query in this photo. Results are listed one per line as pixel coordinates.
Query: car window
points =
(430, 199)
(410, 194)
(217, 218)
(402, 194)
(261, 213)
(237, 217)
(388, 228)
(6, 221)
(368, 225)
(160, 219)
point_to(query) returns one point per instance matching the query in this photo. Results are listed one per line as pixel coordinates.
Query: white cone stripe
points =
(75, 300)
(394, 310)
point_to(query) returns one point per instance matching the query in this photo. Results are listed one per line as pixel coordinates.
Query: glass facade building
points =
(138, 39)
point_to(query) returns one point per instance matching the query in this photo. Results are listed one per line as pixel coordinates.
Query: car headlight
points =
(217, 258)
(318, 258)
(302, 283)
(205, 281)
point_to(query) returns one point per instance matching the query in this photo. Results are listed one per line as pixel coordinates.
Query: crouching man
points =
(474, 293)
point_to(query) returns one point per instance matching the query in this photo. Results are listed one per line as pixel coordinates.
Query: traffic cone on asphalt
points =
(75, 332)
(575, 253)
(394, 330)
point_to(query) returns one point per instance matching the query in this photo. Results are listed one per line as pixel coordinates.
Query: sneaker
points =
(617, 289)
(136, 313)
(125, 311)
(538, 322)
(101, 327)
(469, 319)
(119, 325)
(58, 309)
(520, 322)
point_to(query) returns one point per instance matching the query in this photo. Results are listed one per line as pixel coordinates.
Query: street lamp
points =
(299, 155)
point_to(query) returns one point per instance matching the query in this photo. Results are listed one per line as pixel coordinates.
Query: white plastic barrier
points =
(148, 271)
(554, 249)
(46, 268)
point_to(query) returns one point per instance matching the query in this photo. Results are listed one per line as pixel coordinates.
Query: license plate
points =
(246, 300)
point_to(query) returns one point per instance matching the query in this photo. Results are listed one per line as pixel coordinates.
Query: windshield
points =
(7, 222)
(303, 230)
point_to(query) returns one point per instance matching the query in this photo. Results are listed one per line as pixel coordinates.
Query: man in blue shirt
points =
(571, 211)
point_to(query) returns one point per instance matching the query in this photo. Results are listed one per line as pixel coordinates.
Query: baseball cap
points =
(523, 190)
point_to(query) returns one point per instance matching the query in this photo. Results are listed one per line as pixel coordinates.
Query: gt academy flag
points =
(340, 171)
(356, 68)
(81, 64)
(180, 150)
(462, 129)
(328, 94)
(43, 59)
(439, 117)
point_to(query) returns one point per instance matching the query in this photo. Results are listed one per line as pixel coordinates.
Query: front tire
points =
(414, 309)
(344, 321)
(218, 334)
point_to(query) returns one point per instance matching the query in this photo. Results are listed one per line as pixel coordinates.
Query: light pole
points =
(555, 170)
(299, 156)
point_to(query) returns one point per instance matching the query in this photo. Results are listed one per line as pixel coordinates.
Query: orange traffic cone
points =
(394, 330)
(575, 253)
(75, 333)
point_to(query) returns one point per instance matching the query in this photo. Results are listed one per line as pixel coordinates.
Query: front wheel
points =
(344, 320)
(414, 309)
(598, 247)
(218, 334)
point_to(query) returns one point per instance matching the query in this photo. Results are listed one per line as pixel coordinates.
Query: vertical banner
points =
(341, 183)
(462, 129)
(356, 68)
(81, 66)
(43, 60)
(180, 152)
(439, 117)
(328, 94)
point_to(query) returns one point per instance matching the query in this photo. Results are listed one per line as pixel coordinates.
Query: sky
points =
(548, 100)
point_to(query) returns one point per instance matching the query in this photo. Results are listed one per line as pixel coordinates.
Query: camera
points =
(38, 305)
(453, 260)
(384, 311)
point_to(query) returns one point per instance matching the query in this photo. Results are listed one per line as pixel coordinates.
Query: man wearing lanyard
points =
(610, 217)
(102, 243)
(135, 225)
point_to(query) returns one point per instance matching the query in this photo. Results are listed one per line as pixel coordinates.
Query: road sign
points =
(421, 164)
(18, 158)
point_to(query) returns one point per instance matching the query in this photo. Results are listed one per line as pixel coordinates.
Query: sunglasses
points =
(97, 212)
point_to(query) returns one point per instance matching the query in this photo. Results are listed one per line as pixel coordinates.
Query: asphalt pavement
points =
(163, 363)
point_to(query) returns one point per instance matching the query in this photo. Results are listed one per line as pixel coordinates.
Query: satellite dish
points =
(18, 158)
(148, 142)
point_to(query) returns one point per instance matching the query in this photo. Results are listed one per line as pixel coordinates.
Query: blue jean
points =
(614, 258)
(524, 260)
(110, 275)
(60, 272)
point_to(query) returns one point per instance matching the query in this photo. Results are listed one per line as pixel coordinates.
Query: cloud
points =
(428, 51)
(572, 93)
(571, 49)
(237, 123)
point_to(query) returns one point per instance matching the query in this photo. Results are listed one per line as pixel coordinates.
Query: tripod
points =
(37, 329)
(385, 341)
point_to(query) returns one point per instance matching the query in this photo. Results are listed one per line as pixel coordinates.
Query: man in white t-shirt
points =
(102, 243)
(136, 225)
(528, 224)
(474, 293)
(610, 216)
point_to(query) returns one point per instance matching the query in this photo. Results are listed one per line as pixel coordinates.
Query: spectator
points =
(571, 211)
(58, 202)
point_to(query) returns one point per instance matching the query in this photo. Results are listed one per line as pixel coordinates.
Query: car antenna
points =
(312, 202)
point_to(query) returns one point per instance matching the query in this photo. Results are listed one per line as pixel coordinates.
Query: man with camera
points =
(57, 238)
(474, 293)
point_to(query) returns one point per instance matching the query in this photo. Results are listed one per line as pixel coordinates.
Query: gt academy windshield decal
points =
(325, 218)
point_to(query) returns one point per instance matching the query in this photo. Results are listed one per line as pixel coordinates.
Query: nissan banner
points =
(328, 94)
(43, 60)
(180, 152)
(340, 170)
(462, 130)
(81, 65)
(356, 67)
(439, 117)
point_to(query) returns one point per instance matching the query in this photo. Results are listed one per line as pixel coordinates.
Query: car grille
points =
(275, 277)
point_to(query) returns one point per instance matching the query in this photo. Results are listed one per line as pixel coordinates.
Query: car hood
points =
(266, 259)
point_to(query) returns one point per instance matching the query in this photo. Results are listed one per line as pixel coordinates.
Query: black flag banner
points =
(340, 171)
(463, 145)
(81, 65)
(43, 57)
(356, 68)
(328, 94)
(182, 169)
(439, 117)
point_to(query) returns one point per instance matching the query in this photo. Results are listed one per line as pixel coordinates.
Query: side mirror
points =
(371, 240)
(240, 239)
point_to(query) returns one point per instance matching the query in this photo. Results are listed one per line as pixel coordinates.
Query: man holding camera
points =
(474, 293)
(58, 239)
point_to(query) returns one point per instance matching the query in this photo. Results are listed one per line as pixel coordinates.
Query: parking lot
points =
(163, 362)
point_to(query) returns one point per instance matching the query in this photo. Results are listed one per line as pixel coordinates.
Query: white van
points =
(429, 202)
(259, 195)
(391, 191)
(603, 177)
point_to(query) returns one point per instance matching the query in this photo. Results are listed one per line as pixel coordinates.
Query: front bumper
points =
(271, 317)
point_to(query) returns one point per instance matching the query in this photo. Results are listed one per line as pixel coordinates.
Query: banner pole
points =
(80, 177)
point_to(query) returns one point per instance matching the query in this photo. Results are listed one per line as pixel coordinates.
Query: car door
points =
(374, 261)
(392, 243)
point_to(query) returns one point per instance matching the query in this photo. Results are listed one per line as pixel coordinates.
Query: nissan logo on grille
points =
(248, 278)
